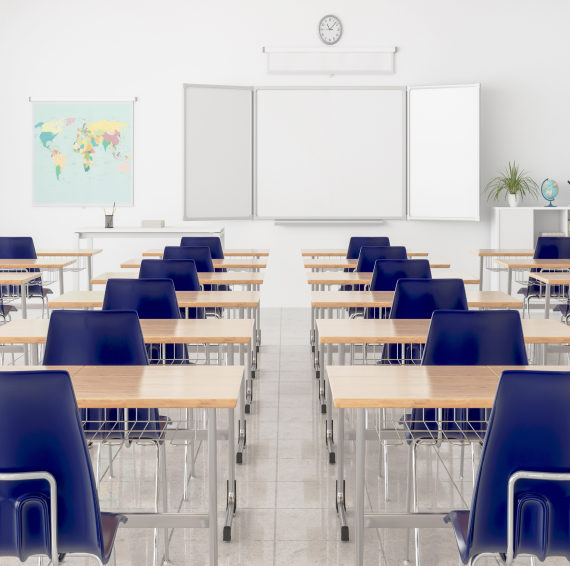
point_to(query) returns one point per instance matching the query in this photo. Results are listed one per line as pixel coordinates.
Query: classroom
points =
(284, 283)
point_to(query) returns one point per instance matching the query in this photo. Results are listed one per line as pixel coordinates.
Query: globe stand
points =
(550, 205)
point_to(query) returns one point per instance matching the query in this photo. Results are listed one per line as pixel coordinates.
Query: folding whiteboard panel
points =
(443, 152)
(330, 153)
(218, 152)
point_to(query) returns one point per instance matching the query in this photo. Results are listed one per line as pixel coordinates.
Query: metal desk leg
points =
(258, 321)
(360, 477)
(329, 438)
(212, 486)
(509, 281)
(547, 301)
(481, 268)
(35, 353)
(254, 352)
(340, 485)
(23, 293)
(242, 407)
(231, 485)
(248, 382)
(89, 273)
(61, 280)
(312, 331)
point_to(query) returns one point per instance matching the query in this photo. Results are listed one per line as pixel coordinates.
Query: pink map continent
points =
(69, 121)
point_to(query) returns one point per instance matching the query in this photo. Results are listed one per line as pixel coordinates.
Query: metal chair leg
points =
(98, 467)
(110, 461)
(462, 463)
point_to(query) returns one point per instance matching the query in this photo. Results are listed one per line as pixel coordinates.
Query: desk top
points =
(552, 277)
(336, 299)
(503, 253)
(530, 263)
(342, 253)
(231, 263)
(386, 331)
(344, 263)
(253, 252)
(190, 299)
(231, 278)
(84, 252)
(341, 278)
(164, 386)
(208, 331)
(415, 386)
(16, 278)
(35, 263)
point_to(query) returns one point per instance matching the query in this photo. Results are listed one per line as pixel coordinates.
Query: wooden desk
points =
(188, 387)
(51, 264)
(231, 278)
(490, 252)
(339, 252)
(342, 278)
(19, 279)
(384, 386)
(77, 253)
(550, 278)
(530, 264)
(343, 263)
(230, 263)
(250, 252)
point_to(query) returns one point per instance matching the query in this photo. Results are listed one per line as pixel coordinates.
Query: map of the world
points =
(82, 153)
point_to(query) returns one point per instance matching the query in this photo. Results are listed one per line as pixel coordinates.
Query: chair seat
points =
(563, 309)
(109, 524)
(460, 522)
(6, 309)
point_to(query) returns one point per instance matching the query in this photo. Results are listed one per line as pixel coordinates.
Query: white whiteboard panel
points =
(443, 153)
(218, 147)
(330, 153)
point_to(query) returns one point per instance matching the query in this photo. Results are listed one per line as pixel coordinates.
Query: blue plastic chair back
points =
(201, 256)
(387, 272)
(151, 298)
(527, 432)
(552, 248)
(42, 433)
(212, 242)
(182, 272)
(369, 255)
(357, 242)
(21, 248)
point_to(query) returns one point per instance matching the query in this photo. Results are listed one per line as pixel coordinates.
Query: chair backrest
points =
(552, 248)
(357, 242)
(151, 298)
(387, 272)
(470, 338)
(17, 248)
(369, 255)
(526, 432)
(183, 273)
(419, 298)
(95, 338)
(200, 254)
(212, 242)
(43, 433)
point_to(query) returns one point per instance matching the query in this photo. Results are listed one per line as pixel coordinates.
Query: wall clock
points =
(330, 30)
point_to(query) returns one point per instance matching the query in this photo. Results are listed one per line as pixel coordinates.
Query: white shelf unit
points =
(520, 227)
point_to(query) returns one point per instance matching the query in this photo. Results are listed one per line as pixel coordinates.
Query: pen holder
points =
(108, 220)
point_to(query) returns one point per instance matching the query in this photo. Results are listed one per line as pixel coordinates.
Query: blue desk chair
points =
(212, 242)
(526, 437)
(386, 274)
(108, 338)
(151, 299)
(23, 248)
(44, 457)
(463, 338)
(183, 274)
(357, 242)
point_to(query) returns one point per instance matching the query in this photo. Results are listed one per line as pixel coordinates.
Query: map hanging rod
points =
(131, 99)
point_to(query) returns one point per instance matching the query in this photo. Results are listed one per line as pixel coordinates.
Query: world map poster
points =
(83, 153)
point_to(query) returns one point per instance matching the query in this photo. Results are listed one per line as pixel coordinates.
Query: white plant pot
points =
(514, 200)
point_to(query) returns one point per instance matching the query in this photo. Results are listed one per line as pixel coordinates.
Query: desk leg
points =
(481, 268)
(89, 273)
(254, 353)
(248, 372)
(360, 477)
(547, 301)
(23, 293)
(312, 331)
(242, 405)
(212, 486)
(231, 486)
(329, 422)
(509, 281)
(61, 280)
(340, 490)
(35, 353)
(258, 322)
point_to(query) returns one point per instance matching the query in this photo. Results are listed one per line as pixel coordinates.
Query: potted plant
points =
(515, 183)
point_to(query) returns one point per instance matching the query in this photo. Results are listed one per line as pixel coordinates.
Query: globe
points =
(549, 189)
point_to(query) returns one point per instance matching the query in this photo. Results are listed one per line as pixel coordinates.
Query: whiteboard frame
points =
(476, 218)
(43, 100)
(340, 218)
(206, 218)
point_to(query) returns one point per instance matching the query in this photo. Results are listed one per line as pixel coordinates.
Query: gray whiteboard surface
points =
(330, 153)
(218, 152)
(443, 153)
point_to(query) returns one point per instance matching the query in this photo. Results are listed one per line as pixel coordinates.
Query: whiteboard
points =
(330, 153)
(443, 152)
(218, 152)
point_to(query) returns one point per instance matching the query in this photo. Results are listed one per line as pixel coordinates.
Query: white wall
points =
(517, 49)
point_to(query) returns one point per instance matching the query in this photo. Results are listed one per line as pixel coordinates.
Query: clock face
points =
(330, 30)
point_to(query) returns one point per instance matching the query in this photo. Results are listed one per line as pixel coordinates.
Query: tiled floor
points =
(286, 513)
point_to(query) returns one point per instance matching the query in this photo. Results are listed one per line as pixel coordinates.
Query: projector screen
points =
(330, 153)
(443, 153)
